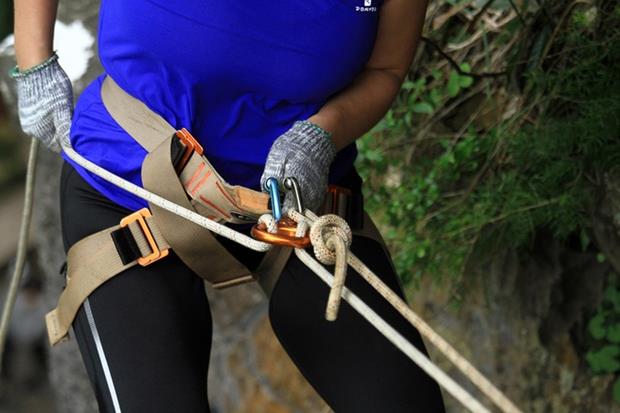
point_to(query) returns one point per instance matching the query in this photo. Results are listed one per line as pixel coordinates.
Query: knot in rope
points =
(322, 232)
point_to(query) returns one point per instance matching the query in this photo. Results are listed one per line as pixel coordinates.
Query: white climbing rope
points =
(396, 338)
(331, 238)
(22, 248)
(310, 219)
(467, 368)
(165, 204)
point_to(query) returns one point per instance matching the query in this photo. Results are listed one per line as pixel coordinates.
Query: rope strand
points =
(474, 375)
(445, 381)
(332, 242)
(22, 248)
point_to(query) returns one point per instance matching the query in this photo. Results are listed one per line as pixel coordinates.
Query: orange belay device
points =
(284, 236)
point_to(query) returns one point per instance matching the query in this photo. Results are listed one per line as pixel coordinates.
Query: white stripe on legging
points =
(102, 358)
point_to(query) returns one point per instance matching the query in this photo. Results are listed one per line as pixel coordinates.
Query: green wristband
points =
(16, 73)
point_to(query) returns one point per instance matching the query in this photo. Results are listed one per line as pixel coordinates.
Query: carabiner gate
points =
(271, 186)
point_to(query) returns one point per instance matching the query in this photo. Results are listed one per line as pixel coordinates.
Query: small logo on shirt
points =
(366, 7)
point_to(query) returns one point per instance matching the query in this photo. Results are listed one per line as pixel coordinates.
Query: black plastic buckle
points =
(125, 244)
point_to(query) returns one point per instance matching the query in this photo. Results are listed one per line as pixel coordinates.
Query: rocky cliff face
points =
(521, 322)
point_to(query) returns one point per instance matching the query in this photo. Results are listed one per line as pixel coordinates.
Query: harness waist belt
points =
(176, 169)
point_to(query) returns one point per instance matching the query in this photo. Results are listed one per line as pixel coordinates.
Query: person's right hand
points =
(45, 102)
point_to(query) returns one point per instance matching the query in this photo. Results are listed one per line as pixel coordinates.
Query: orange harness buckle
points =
(191, 145)
(156, 253)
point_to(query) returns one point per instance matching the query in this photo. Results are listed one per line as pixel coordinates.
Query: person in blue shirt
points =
(272, 88)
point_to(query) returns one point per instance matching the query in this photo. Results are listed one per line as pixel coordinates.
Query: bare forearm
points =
(355, 110)
(34, 31)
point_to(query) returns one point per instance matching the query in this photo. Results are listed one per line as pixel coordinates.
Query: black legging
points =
(145, 335)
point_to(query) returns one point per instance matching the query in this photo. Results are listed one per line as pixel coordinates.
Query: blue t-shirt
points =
(237, 74)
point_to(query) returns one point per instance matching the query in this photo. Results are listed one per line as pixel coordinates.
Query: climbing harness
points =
(176, 168)
(145, 236)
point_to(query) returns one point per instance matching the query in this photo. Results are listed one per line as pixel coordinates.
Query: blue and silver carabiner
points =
(271, 186)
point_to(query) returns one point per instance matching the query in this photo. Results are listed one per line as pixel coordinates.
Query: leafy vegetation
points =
(604, 328)
(508, 124)
(505, 125)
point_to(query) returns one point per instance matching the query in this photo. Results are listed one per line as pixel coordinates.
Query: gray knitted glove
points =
(45, 102)
(305, 152)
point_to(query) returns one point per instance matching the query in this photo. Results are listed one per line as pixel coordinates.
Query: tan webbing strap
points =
(94, 260)
(141, 123)
(91, 262)
(150, 130)
(220, 199)
(195, 245)
(191, 242)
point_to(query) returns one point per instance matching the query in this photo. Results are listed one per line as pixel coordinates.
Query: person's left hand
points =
(305, 152)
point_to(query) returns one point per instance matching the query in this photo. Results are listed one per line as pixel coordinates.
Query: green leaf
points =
(466, 81)
(374, 155)
(596, 326)
(616, 390)
(423, 107)
(408, 85)
(435, 98)
(613, 333)
(453, 87)
(604, 360)
(465, 67)
(449, 157)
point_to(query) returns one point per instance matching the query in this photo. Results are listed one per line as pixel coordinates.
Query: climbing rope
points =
(445, 381)
(309, 219)
(165, 204)
(22, 248)
(331, 237)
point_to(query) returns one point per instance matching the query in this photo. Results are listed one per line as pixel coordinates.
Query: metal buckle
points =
(191, 145)
(141, 216)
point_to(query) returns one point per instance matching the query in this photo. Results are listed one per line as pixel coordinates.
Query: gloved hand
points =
(305, 152)
(45, 102)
